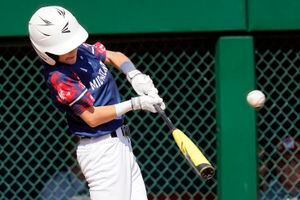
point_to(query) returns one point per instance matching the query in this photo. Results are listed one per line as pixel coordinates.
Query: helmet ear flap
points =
(50, 59)
(52, 56)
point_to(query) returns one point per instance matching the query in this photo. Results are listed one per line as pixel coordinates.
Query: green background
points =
(273, 15)
(206, 58)
(156, 16)
(133, 16)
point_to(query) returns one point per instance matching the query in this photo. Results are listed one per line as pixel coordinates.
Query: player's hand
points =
(141, 83)
(146, 102)
(162, 104)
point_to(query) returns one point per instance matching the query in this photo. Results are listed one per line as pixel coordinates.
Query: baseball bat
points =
(190, 151)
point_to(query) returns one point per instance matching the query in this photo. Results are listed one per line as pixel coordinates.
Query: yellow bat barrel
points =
(193, 155)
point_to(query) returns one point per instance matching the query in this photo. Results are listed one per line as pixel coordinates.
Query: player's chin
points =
(71, 61)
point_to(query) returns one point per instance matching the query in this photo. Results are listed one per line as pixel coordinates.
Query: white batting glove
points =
(162, 104)
(145, 103)
(141, 83)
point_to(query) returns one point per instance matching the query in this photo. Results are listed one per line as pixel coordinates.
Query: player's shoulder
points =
(60, 74)
(95, 49)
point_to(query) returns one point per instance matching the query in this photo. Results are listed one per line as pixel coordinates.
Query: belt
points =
(112, 134)
(124, 129)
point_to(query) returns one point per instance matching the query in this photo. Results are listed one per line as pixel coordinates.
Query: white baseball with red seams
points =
(256, 98)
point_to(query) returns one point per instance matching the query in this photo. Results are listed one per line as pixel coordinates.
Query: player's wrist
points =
(127, 67)
(136, 103)
(123, 107)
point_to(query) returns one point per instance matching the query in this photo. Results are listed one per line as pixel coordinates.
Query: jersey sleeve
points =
(69, 91)
(97, 49)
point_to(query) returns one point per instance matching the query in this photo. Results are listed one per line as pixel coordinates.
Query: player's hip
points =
(120, 135)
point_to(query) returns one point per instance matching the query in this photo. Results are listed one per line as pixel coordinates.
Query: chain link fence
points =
(38, 153)
(278, 75)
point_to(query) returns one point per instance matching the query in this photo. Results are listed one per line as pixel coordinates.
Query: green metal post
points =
(237, 165)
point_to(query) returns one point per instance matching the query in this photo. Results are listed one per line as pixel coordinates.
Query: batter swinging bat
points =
(189, 149)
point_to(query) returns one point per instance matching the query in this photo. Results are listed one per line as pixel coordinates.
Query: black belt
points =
(124, 129)
(112, 134)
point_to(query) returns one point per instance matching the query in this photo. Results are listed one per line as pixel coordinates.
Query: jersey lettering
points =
(99, 80)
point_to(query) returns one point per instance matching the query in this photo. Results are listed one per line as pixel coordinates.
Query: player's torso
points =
(96, 78)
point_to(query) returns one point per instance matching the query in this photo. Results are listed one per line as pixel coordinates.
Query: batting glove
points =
(162, 104)
(141, 83)
(145, 102)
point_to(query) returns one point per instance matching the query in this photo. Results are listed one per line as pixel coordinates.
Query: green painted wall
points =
(274, 14)
(160, 16)
(236, 122)
(133, 16)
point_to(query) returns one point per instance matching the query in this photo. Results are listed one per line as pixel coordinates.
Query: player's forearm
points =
(96, 116)
(116, 59)
(121, 62)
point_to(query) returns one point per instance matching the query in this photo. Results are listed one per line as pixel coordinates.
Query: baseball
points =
(256, 98)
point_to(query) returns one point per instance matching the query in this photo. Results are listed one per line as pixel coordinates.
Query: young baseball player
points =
(82, 87)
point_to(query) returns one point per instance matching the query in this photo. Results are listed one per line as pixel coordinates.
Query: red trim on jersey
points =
(68, 89)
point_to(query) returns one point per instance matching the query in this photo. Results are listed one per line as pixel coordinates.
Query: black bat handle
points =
(165, 118)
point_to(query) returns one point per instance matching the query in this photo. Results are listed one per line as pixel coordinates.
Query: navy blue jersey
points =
(88, 82)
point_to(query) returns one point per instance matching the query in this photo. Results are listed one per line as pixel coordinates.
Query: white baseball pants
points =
(110, 168)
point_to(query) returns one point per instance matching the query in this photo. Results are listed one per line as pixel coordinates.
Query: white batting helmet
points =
(54, 30)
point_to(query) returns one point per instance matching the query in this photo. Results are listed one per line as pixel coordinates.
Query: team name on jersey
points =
(99, 80)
